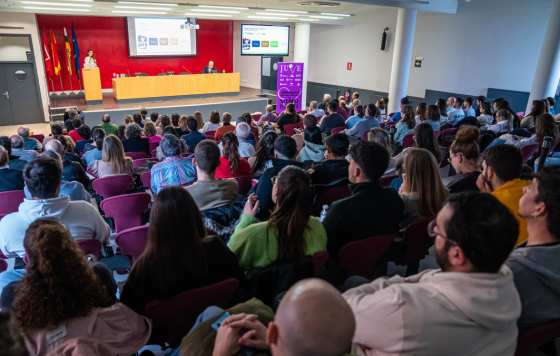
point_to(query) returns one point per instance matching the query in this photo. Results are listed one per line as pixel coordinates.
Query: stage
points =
(247, 100)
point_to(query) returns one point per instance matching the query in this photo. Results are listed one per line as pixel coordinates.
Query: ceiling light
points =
(267, 18)
(207, 15)
(287, 11)
(146, 3)
(223, 7)
(310, 20)
(331, 14)
(143, 8)
(138, 12)
(324, 17)
(55, 8)
(278, 14)
(48, 3)
(215, 11)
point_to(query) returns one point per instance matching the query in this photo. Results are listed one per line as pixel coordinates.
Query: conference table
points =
(166, 86)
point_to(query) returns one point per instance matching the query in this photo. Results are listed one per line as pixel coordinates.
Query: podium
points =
(92, 85)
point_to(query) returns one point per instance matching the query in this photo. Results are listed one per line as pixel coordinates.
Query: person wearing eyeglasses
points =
(468, 307)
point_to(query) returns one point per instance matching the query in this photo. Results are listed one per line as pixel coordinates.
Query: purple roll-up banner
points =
(289, 84)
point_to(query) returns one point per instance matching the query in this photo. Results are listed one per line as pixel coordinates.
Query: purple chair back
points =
(132, 242)
(360, 258)
(3, 265)
(210, 135)
(142, 162)
(136, 155)
(126, 210)
(90, 247)
(146, 179)
(172, 318)
(9, 201)
(113, 185)
(530, 339)
(244, 184)
(417, 240)
(336, 130)
(327, 196)
(528, 151)
(408, 140)
(289, 129)
(153, 147)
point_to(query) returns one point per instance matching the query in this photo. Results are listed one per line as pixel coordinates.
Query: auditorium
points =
(285, 178)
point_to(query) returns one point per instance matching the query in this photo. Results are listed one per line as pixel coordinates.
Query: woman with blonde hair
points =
(422, 190)
(113, 160)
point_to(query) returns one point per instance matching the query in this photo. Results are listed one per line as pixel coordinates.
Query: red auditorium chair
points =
(142, 162)
(126, 210)
(536, 336)
(337, 130)
(136, 155)
(289, 129)
(172, 318)
(408, 140)
(153, 153)
(528, 151)
(153, 147)
(244, 184)
(328, 195)
(132, 242)
(90, 247)
(447, 136)
(113, 185)
(361, 258)
(9, 201)
(417, 241)
(146, 179)
(38, 137)
(210, 135)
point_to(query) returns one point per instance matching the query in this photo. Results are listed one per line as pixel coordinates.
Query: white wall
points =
(14, 48)
(487, 44)
(23, 23)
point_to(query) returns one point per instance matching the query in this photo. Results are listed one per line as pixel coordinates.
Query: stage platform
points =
(247, 100)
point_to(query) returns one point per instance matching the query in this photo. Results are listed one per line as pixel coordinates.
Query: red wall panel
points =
(108, 36)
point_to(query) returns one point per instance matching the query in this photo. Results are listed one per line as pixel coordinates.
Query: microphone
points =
(546, 147)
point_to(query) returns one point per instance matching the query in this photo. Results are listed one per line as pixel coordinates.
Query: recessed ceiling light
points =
(139, 12)
(287, 11)
(142, 8)
(324, 17)
(146, 3)
(216, 11)
(223, 7)
(48, 3)
(267, 18)
(276, 14)
(49, 8)
(332, 14)
(207, 15)
(310, 20)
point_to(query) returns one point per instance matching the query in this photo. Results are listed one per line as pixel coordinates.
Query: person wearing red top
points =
(225, 128)
(231, 165)
(76, 123)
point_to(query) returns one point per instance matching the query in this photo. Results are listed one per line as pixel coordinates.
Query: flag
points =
(68, 52)
(54, 52)
(47, 56)
(76, 51)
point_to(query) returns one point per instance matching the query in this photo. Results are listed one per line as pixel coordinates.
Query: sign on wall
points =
(289, 85)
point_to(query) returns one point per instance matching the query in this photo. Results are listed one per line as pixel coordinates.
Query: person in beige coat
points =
(468, 307)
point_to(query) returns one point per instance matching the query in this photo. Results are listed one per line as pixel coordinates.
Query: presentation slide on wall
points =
(265, 40)
(149, 36)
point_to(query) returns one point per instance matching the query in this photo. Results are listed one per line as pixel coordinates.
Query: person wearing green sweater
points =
(290, 233)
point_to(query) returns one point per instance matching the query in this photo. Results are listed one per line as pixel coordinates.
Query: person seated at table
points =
(150, 133)
(288, 117)
(231, 164)
(192, 138)
(113, 160)
(210, 68)
(212, 124)
(10, 179)
(225, 128)
(134, 142)
(94, 154)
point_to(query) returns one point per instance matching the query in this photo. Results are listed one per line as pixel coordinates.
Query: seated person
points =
(209, 68)
(535, 265)
(501, 172)
(29, 143)
(291, 232)
(74, 134)
(301, 325)
(242, 131)
(212, 124)
(313, 149)
(79, 309)
(359, 113)
(173, 170)
(83, 145)
(455, 111)
(108, 126)
(14, 162)
(463, 157)
(405, 125)
(503, 123)
(264, 154)
(10, 179)
(95, 154)
(333, 119)
(134, 142)
(71, 171)
(285, 152)
(178, 255)
(371, 210)
(471, 300)
(366, 123)
(231, 164)
(288, 117)
(20, 152)
(225, 128)
(183, 127)
(269, 117)
(334, 170)
(314, 110)
(150, 133)
(113, 160)
(193, 137)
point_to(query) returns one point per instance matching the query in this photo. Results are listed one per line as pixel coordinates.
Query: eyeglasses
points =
(433, 232)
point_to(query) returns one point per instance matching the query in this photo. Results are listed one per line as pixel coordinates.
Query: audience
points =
(10, 179)
(538, 107)
(289, 234)
(381, 137)
(183, 127)
(29, 143)
(501, 171)
(225, 128)
(138, 120)
(368, 122)
(71, 171)
(535, 264)
(19, 151)
(314, 110)
(269, 117)
(178, 256)
(313, 148)
(113, 159)
(397, 116)
(200, 119)
(471, 301)
(371, 210)
(95, 153)
(134, 142)
(334, 169)
(333, 119)
(74, 134)
(213, 124)
(433, 117)
(503, 123)
(14, 161)
(421, 111)
(359, 114)
(242, 131)
(231, 164)
(468, 108)
(455, 111)
(193, 137)
(288, 117)
(463, 157)
(150, 132)
(285, 152)
(405, 125)
(62, 307)
(85, 133)
(173, 170)
(264, 154)
(485, 117)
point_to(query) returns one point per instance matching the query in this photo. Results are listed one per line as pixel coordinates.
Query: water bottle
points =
(324, 213)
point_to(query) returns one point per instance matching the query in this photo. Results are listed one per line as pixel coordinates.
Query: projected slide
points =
(161, 36)
(265, 40)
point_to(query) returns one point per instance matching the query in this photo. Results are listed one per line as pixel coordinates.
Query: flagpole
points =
(61, 86)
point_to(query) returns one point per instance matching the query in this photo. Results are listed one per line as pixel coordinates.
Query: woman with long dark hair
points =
(61, 296)
(538, 108)
(291, 232)
(178, 256)
(405, 125)
(265, 154)
(231, 163)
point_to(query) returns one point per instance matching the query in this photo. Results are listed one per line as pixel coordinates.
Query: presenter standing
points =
(209, 68)
(89, 61)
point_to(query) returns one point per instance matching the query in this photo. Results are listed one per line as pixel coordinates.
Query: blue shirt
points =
(436, 125)
(364, 125)
(470, 112)
(172, 171)
(455, 115)
(352, 121)
(91, 156)
(192, 139)
(72, 190)
(30, 143)
(396, 116)
(402, 130)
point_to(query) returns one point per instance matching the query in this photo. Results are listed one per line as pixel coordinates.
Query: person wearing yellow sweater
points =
(290, 233)
(501, 169)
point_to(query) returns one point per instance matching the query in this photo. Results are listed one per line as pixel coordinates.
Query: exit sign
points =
(348, 65)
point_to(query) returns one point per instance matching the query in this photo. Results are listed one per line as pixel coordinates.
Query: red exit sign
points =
(348, 65)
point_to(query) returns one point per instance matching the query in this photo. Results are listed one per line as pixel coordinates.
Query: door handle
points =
(7, 95)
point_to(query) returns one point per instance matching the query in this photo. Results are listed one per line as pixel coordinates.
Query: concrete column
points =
(545, 81)
(402, 57)
(301, 55)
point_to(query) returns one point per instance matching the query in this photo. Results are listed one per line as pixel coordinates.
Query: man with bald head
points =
(209, 68)
(312, 319)
(71, 171)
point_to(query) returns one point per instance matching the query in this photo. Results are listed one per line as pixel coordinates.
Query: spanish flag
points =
(68, 52)
(54, 52)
